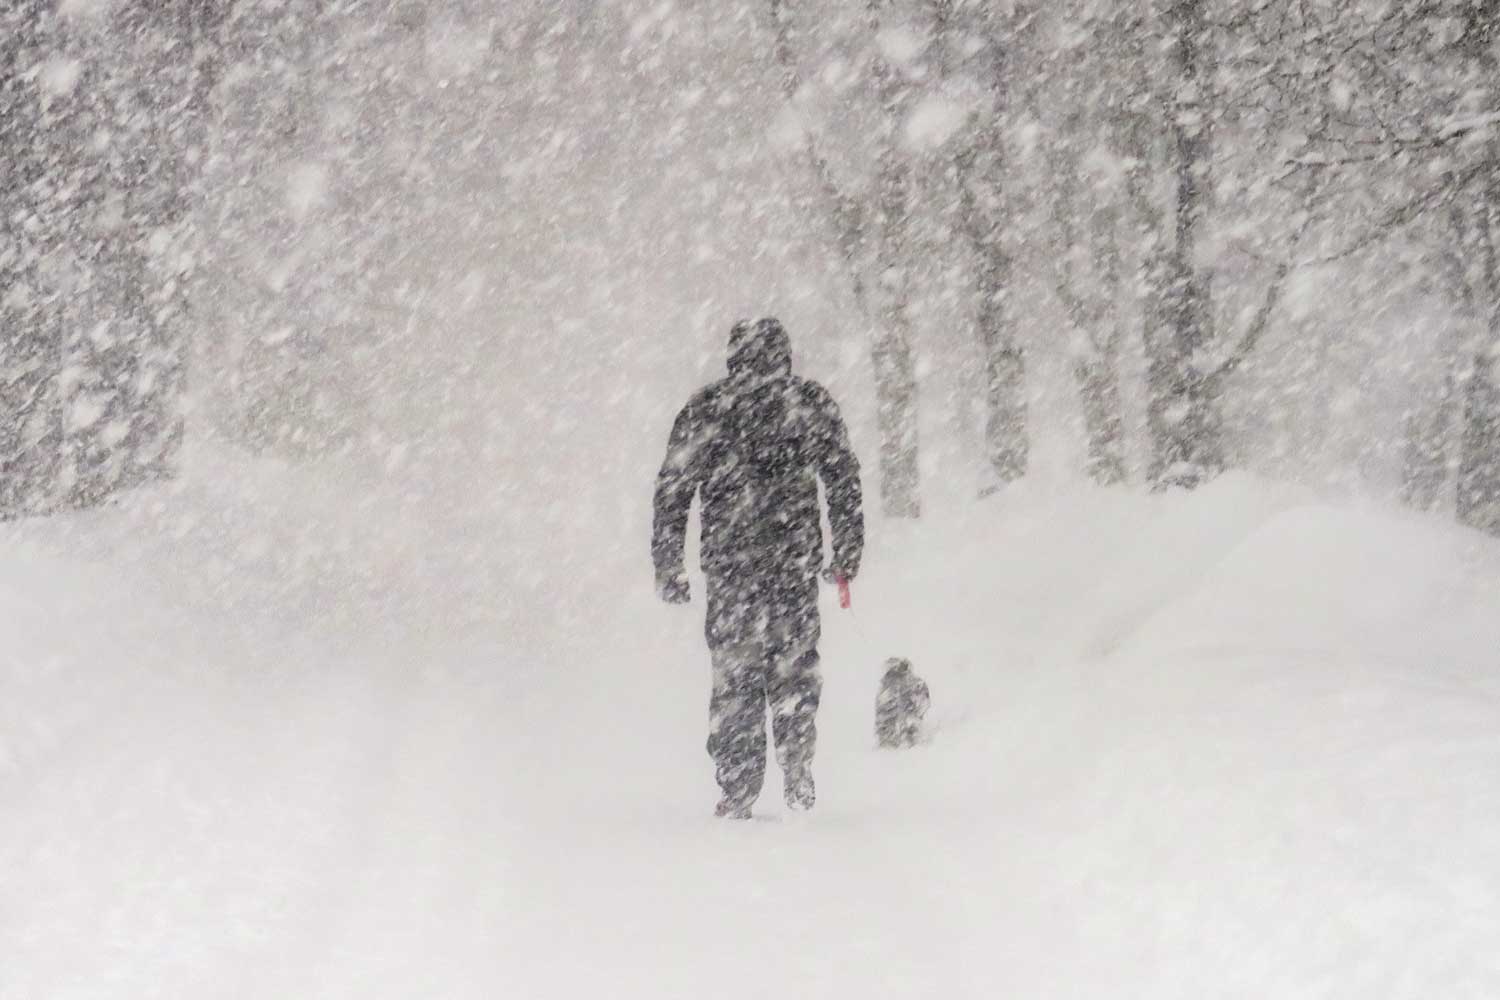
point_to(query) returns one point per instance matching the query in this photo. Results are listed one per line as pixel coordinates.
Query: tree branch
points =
(1262, 318)
(1403, 214)
(1257, 325)
(846, 212)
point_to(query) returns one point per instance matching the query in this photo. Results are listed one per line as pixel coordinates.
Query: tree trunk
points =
(1479, 461)
(878, 224)
(1479, 467)
(891, 348)
(1184, 412)
(29, 327)
(99, 233)
(160, 276)
(1099, 380)
(1006, 446)
(1425, 462)
(1429, 461)
(1099, 389)
(891, 352)
(982, 196)
(1096, 314)
(91, 319)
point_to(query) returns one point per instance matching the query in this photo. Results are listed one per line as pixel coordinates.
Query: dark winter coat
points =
(754, 445)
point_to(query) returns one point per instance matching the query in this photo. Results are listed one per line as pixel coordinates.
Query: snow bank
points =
(1238, 743)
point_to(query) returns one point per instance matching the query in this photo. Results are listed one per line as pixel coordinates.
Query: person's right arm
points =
(676, 483)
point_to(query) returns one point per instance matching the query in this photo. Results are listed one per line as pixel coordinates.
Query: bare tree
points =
(1092, 120)
(1190, 357)
(1419, 128)
(1185, 418)
(129, 224)
(872, 223)
(1430, 457)
(102, 115)
(983, 178)
(1100, 325)
(30, 360)
(894, 363)
(1479, 463)
(871, 233)
(183, 49)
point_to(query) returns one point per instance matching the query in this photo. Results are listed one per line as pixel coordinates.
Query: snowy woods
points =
(1249, 234)
(356, 636)
(1187, 180)
(102, 126)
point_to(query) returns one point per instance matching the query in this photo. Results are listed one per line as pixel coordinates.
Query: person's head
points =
(759, 348)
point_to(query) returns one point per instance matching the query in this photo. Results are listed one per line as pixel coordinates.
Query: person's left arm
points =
(838, 467)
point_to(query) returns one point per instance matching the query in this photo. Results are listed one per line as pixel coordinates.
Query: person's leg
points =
(795, 687)
(737, 726)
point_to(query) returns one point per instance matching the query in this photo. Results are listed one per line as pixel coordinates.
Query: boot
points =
(800, 792)
(732, 809)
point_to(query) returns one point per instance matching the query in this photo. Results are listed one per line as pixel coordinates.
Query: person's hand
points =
(835, 573)
(673, 587)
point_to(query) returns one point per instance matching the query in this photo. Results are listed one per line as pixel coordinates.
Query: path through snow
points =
(1235, 744)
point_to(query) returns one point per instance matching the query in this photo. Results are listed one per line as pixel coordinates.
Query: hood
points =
(761, 348)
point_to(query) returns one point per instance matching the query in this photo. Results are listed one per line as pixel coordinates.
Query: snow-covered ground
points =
(260, 740)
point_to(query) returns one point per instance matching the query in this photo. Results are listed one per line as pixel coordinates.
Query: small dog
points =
(899, 707)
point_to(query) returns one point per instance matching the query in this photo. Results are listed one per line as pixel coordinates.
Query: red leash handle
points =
(843, 592)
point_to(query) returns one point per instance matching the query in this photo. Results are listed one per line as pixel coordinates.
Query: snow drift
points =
(1237, 743)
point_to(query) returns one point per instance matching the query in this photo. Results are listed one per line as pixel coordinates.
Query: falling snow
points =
(340, 348)
(933, 122)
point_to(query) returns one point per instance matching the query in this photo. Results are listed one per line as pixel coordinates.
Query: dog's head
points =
(896, 667)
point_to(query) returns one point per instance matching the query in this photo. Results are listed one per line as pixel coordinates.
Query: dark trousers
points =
(746, 679)
(763, 639)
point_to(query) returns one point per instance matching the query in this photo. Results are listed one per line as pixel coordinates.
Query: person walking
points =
(753, 446)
